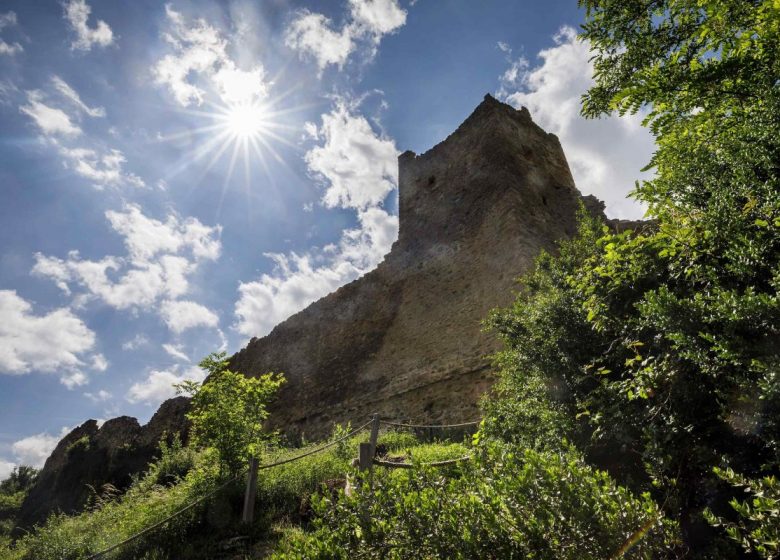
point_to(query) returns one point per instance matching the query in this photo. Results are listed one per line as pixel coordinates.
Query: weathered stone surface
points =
(92, 456)
(405, 340)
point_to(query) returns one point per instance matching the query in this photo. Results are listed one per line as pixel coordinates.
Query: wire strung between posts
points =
(167, 519)
(392, 465)
(421, 426)
(220, 488)
(313, 451)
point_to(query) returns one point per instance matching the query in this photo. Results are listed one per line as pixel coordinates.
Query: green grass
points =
(183, 475)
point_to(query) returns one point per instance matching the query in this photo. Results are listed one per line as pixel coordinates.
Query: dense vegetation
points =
(12, 493)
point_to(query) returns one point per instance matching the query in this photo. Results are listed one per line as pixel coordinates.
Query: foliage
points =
(228, 411)
(114, 518)
(664, 339)
(511, 504)
(174, 462)
(21, 479)
(759, 526)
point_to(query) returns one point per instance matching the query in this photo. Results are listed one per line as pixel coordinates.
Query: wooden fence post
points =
(251, 490)
(365, 458)
(374, 433)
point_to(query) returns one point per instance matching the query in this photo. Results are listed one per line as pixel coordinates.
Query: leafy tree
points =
(665, 340)
(228, 410)
(21, 479)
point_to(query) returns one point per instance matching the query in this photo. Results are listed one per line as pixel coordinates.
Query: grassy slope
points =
(197, 534)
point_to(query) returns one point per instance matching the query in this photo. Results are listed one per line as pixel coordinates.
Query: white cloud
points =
(6, 468)
(377, 17)
(54, 341)
(102, 169)
(314, 36)
(136, 342)
(181, 315)
(77, 14)
(70, 94)
(34, 450)
(8, 19)
(100, 396)
(176, 351)
(200, 50)
(74, 379)
(605, 155)
(50, 120)
(359, 166)
(99, 362)
(158, 384)
(161, 256)
(359, 169)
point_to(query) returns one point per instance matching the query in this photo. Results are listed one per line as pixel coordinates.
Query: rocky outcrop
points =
(405, 340)
(94, 456)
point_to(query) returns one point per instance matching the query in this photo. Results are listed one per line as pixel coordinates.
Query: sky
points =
(180, 177)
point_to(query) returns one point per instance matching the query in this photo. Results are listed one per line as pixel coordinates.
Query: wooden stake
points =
(251, 491)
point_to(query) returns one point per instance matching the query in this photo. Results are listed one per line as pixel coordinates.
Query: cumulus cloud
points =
(200, 51)
(8, 19)
(314, 36)
(181, 315)
(102, 169)
(50, 342)
(605, 155)
(34, 450)
(70, 94)
(50, 120)
(74, 379)
(358, 166)
(134, 343)
(159, 384)
(161, 256)
(358, 169)
(100, 396)
(77, 15)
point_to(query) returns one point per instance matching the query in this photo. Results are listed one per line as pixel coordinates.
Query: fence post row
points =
(251, 489)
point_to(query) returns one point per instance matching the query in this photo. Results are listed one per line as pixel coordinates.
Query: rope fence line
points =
(374, 422)
(162, 522)
(430, 426)
(218, 489)
(313, 451)
(393, 465)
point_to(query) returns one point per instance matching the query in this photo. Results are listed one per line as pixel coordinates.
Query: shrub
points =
(228, 411)
(509, 504)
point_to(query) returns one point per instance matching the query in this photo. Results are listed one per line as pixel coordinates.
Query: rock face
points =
(95, 456)
(405, 340)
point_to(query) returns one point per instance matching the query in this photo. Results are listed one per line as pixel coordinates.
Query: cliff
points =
(93, 456)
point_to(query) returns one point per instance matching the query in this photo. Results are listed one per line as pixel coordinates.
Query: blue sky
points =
(179, 177)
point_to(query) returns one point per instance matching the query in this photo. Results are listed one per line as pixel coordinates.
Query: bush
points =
(228, 412)
(509, 504)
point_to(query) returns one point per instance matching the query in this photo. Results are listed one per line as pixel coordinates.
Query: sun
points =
(246, 120)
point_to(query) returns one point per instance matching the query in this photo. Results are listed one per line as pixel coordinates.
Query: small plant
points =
(81, 444)
(228, 411)
(174, 462)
